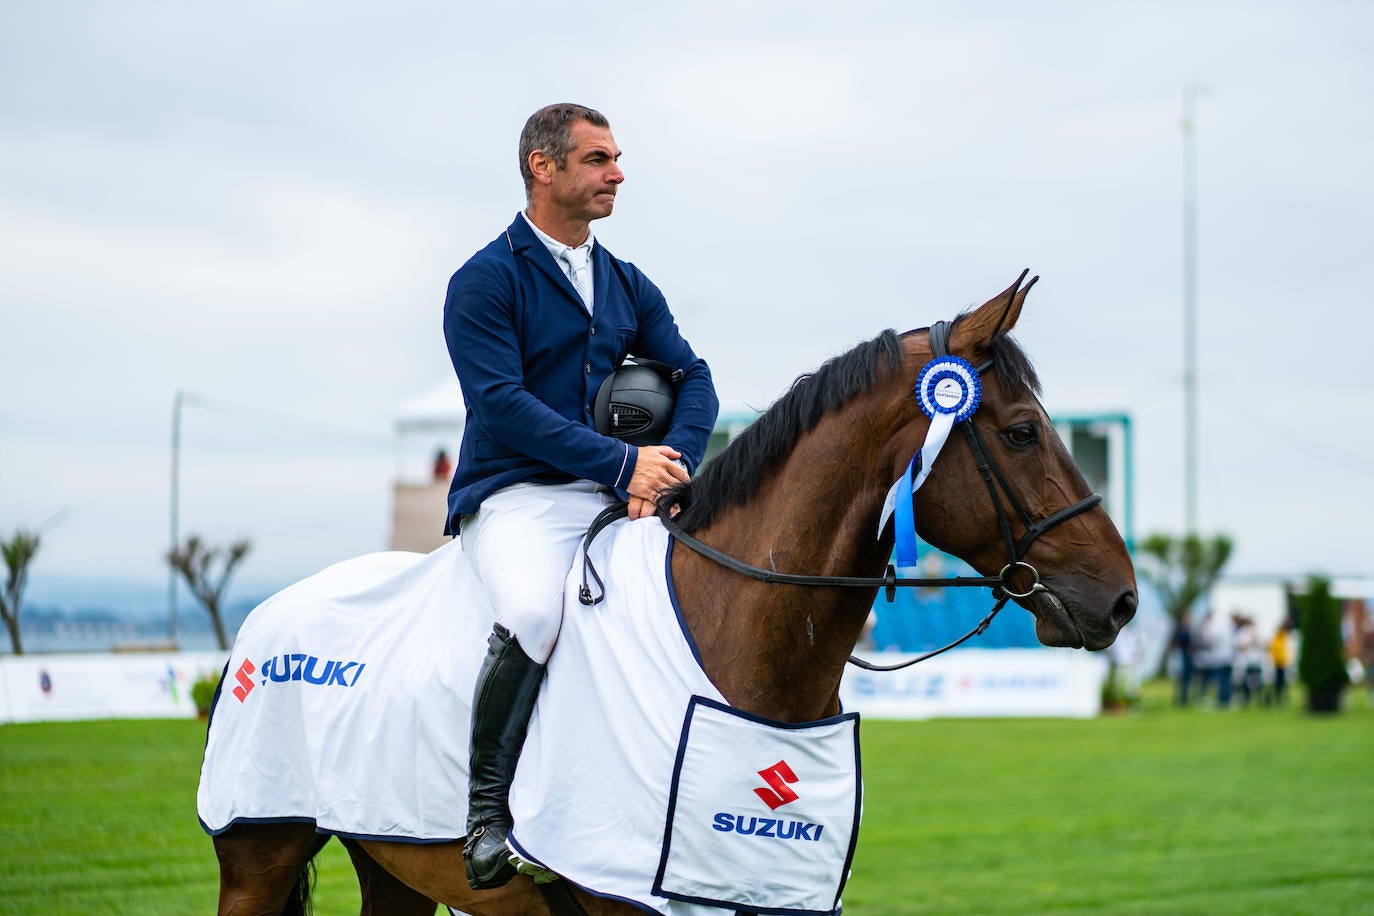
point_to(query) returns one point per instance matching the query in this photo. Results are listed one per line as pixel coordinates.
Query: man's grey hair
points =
(549, 130)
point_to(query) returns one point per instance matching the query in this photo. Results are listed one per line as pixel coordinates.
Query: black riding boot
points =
(501, 705)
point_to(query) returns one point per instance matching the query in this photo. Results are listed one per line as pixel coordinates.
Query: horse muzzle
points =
(1064, 618)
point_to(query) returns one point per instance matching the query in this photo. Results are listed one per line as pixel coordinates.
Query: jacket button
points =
(593, 332)
(588, 368)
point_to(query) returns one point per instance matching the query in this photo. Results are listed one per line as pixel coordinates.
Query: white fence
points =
(142, 685)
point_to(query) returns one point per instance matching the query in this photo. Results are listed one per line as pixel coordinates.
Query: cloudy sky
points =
(261, 203)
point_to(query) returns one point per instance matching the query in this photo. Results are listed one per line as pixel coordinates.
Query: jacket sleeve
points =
(483, 344)
(658, 337)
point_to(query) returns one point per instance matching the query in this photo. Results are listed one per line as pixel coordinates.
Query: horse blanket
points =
(347, 697)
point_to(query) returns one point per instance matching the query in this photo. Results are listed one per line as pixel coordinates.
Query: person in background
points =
(443, 468)
(1251, 654)
(1183, 644)
(1280, 657)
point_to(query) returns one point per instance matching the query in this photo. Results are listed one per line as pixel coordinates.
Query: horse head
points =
(802, 491)
(1088, 580)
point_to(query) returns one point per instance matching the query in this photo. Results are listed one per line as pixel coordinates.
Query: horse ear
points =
(975, 331)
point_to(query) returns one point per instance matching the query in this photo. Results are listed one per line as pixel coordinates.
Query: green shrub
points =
(203, 692)
(1321, 659)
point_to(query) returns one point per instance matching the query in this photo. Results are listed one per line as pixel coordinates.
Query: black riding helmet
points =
(635, 402)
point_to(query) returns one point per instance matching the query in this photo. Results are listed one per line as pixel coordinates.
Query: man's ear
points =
(541, 166)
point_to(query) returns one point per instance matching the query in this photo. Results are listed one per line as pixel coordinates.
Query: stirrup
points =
(539, 873)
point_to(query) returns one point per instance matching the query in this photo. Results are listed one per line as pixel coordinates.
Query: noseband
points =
(1000, 584)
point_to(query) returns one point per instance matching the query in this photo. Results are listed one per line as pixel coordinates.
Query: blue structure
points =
(922, 619)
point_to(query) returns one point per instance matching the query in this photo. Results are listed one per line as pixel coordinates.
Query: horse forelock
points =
(734, 476)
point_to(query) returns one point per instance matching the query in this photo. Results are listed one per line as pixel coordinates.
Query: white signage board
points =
(979, 682)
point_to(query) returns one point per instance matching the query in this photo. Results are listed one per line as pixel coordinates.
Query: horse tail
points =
(298, 900)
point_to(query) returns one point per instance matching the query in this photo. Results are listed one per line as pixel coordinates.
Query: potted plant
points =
(1321, 657)
(203, 693)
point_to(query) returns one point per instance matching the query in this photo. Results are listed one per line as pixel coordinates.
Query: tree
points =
(18, 552)
(196, 563)
(1182, 569)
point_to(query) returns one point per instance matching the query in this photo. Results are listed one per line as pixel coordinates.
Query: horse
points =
(803, 489)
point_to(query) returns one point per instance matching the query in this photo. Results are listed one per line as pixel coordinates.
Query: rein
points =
(889, 582)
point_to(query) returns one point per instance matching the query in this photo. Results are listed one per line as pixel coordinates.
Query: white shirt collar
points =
(570, 259)
(556, 248)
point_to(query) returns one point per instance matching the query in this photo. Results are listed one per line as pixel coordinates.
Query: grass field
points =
(1160, 811)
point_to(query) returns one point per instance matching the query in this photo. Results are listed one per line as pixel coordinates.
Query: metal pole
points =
(1190, 309)
(175, 535)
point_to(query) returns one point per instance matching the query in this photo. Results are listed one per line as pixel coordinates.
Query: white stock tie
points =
(578, 268)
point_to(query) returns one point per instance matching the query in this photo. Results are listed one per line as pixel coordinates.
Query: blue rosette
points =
(948, 390)
(949, 385)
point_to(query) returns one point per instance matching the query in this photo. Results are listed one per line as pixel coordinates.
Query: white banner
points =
(979, 682)
(143, 685)
(965, 682)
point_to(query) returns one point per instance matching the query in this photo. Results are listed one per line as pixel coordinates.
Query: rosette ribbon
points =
(948, 391)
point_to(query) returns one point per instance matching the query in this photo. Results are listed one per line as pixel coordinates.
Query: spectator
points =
(1280, 657)
(1250, 654)
(443, 468)
(1183, 644)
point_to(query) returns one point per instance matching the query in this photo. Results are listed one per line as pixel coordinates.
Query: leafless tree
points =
(197, 562)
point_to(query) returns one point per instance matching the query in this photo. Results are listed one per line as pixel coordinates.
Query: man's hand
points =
(655, 471)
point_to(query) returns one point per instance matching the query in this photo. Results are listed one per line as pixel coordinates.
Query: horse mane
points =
(735, 475)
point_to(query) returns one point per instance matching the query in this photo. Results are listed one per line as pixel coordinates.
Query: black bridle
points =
(889, 582)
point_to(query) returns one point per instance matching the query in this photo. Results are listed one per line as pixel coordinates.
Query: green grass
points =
(1243, 811)
(1160, 811)
(100, 817)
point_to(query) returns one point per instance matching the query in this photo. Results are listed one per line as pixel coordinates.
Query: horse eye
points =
(1021, 434)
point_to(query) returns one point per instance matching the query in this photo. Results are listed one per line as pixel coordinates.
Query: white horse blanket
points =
(347, 699)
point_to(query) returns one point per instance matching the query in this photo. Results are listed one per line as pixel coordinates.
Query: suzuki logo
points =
(779, 792)
(245, 681)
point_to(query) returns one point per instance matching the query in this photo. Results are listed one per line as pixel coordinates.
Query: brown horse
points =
(802, 490)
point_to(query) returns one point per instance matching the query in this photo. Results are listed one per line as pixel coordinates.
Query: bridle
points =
(889, 582)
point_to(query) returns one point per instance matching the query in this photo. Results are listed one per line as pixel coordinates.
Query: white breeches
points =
(522, 541)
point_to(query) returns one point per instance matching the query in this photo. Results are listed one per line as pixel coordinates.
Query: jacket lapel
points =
(602, 278)
(525, 244)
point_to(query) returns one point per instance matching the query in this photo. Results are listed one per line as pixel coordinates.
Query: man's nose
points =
(615, 176)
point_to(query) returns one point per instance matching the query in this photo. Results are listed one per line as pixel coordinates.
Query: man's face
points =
(585, 188)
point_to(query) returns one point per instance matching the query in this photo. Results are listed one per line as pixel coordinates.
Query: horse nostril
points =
(1124, 609)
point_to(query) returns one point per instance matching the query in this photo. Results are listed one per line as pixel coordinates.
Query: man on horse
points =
(535, 323)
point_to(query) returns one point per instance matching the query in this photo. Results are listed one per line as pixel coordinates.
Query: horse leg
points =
(383, 893)
(260, 865)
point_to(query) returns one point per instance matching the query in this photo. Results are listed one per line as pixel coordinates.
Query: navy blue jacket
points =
(530, 360)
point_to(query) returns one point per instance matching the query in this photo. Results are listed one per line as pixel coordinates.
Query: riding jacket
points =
(530, 359)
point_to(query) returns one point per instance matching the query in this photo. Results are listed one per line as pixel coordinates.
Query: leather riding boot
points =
(501, 705)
